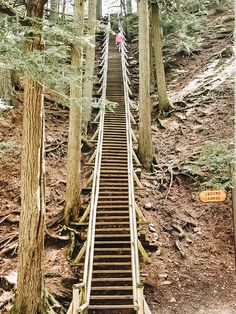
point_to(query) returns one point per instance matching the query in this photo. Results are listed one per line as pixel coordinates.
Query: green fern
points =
(7, 148)
(210, 166)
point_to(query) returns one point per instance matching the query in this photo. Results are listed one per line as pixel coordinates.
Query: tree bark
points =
(99, 10)
(89, 62)
(152, 76)
(63, 8)
(129, 6)
(53, 16)
(6, 86)
(73, 189)
(31, 230)
(164, 103)
(29, 298)
(145, 134)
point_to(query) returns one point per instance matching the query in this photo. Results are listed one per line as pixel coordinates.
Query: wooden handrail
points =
(81, 292)
(137, 286)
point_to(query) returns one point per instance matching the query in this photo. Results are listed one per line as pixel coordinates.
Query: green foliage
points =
(130, 25)
(49, 66)
(182, 24)
(7, 148)
(210, 166)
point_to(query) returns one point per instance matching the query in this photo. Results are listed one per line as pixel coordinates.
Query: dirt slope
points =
(192, 254)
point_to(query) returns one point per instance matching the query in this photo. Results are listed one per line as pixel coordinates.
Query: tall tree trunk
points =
(6, 86)
(31, 233)
(89, 62)
(129, 6)
(152, 76)
(99, 9)
(145, 134)
(31, 230)
(164, 104)
(54, 6)
(123, 7)
(71, 211)
(63, 8)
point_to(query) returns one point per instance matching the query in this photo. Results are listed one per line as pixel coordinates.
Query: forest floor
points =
(190, 243)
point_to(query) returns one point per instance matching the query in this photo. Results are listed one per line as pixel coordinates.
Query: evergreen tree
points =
(89, 62)
(145, 133)
(164, 104)
(73, 187)
(29, 297)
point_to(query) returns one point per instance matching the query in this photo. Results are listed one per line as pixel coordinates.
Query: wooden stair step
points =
(112, 279)
(109, 206)
(118, 201)
(111, 188)
(111, 297)
(108, 167)
(114, 136)
(113, 212)
(113, 229)
(120, 197)
(111, 242)
(112, 271)
(112, 223)
(111, 249)
(112, 176)
(117, 264)
(114, 152)
(121, 180)
(112, 288)
(98, 236)
(112, 256)
(108, 185)
(110, 307)
(114, 142)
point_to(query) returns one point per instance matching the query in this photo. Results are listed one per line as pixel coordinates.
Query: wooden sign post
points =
(233, 169)
(212, 196)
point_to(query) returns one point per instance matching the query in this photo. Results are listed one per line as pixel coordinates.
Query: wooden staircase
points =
(111, 289)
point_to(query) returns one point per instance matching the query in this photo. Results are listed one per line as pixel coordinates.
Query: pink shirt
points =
(119, 38)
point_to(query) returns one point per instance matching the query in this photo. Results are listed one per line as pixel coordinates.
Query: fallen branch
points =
(13, 247)
(178, 246)
(56, 236)
(6, 298)
(171, 181)
(49, 148)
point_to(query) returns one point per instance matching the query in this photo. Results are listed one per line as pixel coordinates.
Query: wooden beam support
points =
(136, 179)
(136, 159)
(146, 308)
(140, 214)
(134, 138)
(132, 118)
(81, 253)
(140, 298)
(90, 180)
(143, 253)
(92, 157)
(97, 116)
(85, 214)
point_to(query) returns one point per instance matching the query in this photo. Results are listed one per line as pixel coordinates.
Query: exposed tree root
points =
(51, 305)
(9, 246)
(56, 236)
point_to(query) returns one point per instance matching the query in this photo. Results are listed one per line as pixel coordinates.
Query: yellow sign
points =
(212, 196)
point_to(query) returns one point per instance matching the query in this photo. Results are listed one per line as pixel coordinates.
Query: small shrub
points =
(7, 148)
(210, 166)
